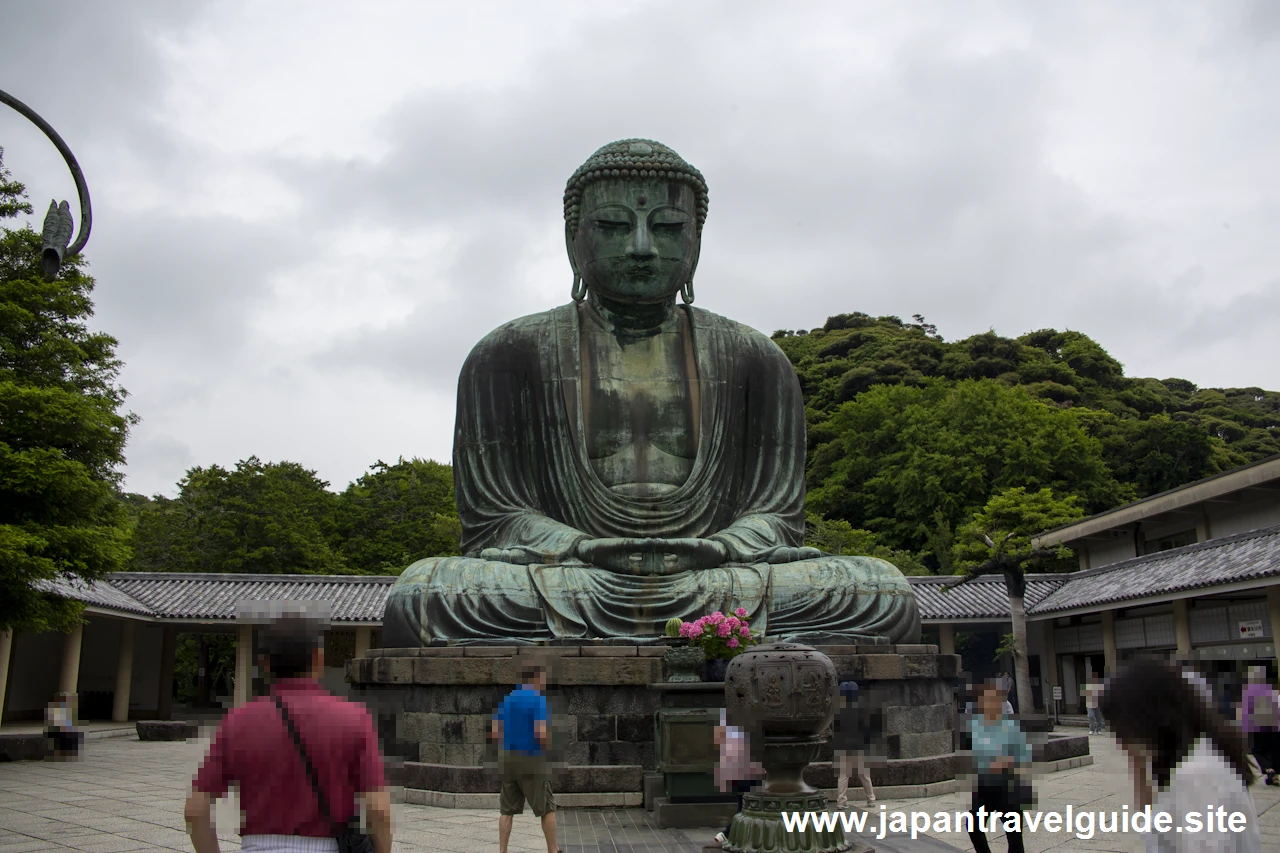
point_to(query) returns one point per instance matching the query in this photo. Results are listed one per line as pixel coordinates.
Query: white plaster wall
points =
(1170, 528)
(1230, 519)
(1104, 552)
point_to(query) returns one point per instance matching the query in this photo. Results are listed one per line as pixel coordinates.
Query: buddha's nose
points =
(641, 242)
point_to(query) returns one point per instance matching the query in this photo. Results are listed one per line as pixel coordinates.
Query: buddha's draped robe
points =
(524, 481)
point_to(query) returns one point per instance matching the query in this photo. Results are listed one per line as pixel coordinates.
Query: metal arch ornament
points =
(58, 224)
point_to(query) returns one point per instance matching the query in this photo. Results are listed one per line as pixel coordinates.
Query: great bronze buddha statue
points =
(628, 458)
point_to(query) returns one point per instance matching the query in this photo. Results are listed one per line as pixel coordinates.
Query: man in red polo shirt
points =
(254, 751)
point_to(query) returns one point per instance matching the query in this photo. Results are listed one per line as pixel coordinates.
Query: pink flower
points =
(741, 613)
(722, 630)
(687, 630)
(745, 630)
(733, 642)
(715, 618)
(733, 622)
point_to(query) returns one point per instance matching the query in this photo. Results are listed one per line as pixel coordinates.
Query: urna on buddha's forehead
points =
(627, 158)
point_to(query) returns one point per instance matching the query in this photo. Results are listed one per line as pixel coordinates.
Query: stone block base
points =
(434, 706)
(669, 815)
(893, 773)
(167, 730)
(489, 802)
(481, 780)
(1058, 747)
(23, 747)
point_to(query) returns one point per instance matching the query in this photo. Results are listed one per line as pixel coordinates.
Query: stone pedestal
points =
(434, 706)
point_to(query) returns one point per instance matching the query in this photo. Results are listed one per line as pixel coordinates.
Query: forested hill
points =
(910, 434)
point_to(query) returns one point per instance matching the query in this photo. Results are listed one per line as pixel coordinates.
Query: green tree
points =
(62, 432)
(906, 462)
(396, 514)
(837, 536)
(998, 540)
(261, 518)
(1155, 434)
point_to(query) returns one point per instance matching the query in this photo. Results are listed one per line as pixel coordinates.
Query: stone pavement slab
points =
(127, 795)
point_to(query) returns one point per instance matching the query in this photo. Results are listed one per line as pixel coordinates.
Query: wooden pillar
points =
(70, 676)
(6, 650)
(364, 637)
(124, 673)
(946, 639)
(1273, 612)
(168, 652)
(1048, 665)
(244, 664)
(1182, 628)
(1109, 642)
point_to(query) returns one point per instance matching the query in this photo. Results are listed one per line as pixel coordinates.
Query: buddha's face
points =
(637, 240)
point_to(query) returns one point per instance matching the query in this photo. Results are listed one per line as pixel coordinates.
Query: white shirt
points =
(286, 844)
(1205, 780)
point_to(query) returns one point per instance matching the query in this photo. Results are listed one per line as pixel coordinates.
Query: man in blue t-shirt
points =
(520, 728)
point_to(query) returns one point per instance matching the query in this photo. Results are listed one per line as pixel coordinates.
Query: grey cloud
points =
(188, 284)
(426, 347)
(859, 158)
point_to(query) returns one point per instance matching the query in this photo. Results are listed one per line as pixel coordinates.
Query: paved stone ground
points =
(126, 795)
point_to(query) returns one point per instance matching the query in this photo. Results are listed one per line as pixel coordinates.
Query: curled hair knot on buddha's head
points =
(632, 158)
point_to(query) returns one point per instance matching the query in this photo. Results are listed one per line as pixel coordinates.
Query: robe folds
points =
(524, 483)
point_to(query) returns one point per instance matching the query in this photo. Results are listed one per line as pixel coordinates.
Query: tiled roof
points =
(177, 595)
(982, 598)
(96, 594)
(1232, 559)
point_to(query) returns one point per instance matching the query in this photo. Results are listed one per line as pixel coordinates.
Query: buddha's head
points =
(633, 222)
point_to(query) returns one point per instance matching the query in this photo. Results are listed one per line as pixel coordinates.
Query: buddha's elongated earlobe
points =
(686, 290)
(579, 291)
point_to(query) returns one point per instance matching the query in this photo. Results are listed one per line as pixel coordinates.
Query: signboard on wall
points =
(1250, 629)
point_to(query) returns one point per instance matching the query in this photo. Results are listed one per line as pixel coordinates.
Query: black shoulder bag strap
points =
(350, 839)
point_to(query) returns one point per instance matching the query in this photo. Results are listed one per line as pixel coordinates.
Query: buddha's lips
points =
(635, 270)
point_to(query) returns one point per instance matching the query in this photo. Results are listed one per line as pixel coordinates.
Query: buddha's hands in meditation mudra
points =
(652, 556)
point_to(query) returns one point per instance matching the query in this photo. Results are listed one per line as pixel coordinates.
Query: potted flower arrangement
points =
(721, 637)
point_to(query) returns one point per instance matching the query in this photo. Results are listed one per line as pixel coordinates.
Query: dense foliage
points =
(396, 514)
(270, 518)
(280, 518)
(62, 432)
(911, 435)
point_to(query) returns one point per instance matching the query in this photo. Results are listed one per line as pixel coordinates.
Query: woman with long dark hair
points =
(1195, 758)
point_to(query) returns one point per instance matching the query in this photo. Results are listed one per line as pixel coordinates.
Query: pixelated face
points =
(637, 240)
(991, 700)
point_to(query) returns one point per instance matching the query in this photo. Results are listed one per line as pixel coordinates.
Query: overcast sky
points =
(305, 214)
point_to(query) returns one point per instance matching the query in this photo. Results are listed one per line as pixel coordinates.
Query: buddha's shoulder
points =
(740, 336)
(525, 333)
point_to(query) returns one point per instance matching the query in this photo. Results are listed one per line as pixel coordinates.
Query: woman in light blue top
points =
(1000, 750)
